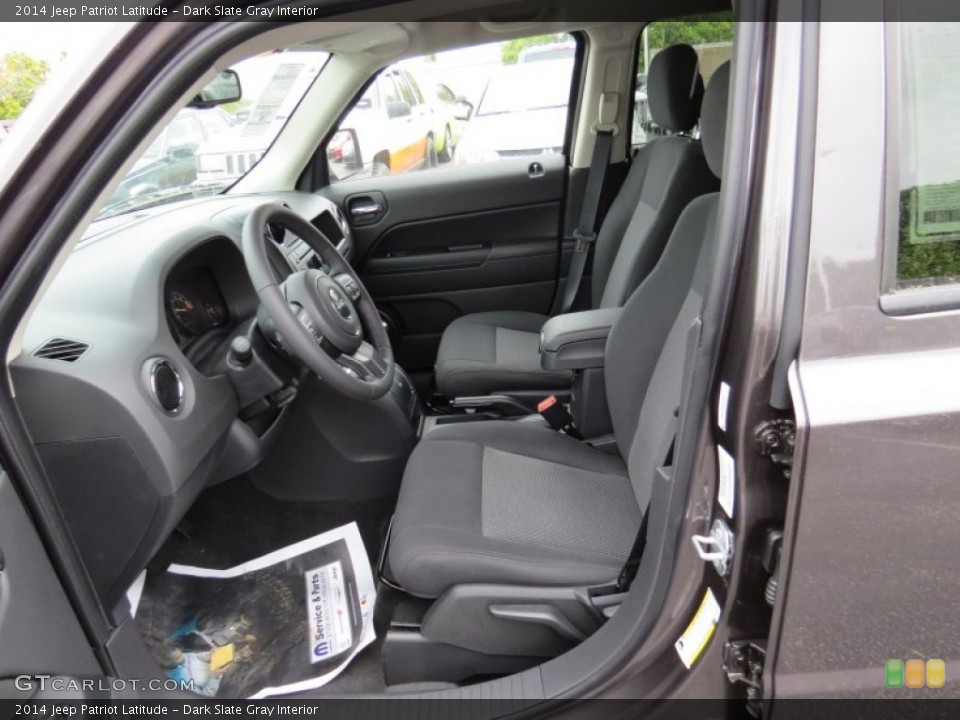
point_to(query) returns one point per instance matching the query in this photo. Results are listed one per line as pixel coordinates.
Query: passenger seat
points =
(499, 352)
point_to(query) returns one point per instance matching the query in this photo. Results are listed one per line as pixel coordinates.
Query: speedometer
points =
(186, 312)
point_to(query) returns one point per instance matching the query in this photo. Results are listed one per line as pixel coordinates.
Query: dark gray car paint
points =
(871, 555)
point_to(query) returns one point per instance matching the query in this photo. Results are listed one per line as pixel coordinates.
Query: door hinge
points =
(775, 439)
(743, 663)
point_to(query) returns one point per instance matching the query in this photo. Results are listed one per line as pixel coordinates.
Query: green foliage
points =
(918, 263)
(693, 32)
(510, 50)
(20, 76)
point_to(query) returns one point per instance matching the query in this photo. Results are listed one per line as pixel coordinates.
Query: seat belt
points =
(585, 234)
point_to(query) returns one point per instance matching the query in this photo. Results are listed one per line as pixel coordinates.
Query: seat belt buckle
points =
(557, 416)
(584, 240)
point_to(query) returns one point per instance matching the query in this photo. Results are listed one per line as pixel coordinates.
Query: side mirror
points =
(398, 110)
(343, 153)
(223, 89)
(464, 109)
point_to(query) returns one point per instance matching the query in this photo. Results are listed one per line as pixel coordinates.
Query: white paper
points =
(136, 592)
(726, 487)
(326, 598)
(723, 405)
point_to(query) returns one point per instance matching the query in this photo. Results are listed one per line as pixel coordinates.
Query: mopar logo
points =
(321, 649)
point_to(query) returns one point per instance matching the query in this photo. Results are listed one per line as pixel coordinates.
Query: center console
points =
(577, 341)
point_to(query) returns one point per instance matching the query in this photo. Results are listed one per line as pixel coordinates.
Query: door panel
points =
(456, 240)
(39, 632)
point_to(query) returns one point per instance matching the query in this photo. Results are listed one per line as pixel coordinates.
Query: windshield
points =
(533, 86)
(203, 151)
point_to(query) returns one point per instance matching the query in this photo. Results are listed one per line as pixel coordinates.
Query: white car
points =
(523, 111)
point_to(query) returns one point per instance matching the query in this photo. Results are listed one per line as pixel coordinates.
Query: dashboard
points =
(139, 414)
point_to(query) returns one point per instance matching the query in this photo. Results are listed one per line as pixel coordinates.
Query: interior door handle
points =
(362, 211)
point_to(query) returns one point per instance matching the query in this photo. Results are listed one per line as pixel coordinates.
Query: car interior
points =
(483, 366)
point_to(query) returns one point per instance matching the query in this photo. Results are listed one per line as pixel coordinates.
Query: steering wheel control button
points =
(166, 386)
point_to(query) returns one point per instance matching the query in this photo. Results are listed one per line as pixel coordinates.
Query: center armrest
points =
(576, 341)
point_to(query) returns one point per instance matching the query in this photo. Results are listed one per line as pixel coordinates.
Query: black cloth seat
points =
(511, 503)
(486, 353)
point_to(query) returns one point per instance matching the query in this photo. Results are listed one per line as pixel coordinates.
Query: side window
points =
(710, 35)
(928, 247)
(477, 104)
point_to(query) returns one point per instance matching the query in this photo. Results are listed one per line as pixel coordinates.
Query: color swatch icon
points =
(915, 673)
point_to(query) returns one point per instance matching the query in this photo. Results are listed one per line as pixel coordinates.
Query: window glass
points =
(184, 131)
(446, 94)
(710, 35)
(478, 104)
(205, 150)
(929, 147)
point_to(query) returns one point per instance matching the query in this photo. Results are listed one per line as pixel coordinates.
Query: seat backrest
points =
(647, 347)
(666, 174)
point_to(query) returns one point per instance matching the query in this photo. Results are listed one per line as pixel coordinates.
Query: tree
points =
(510, 50)
(20, 76)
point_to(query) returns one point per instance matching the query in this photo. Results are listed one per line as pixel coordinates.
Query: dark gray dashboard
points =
(126, 464)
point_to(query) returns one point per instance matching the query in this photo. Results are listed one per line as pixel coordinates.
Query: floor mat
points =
(234, 522)
(286, 622)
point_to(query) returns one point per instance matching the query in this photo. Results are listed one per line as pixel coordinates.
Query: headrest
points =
(713, 118)
(675, 88)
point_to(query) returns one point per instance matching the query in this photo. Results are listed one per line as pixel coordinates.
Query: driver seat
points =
(510, 503)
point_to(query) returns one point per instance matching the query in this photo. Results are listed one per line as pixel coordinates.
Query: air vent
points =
(62, 349)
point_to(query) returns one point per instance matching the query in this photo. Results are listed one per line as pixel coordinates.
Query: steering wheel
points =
(328, 321)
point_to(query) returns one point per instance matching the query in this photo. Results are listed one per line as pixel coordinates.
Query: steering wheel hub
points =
(329, 321)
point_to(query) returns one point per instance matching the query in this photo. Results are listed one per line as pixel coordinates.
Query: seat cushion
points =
(486, 353)
(510, 503)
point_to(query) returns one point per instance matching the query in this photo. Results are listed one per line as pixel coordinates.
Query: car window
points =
(412, 81)
(483, 103)
(217, 146)
(446, 94)
(928, 247)
(184, 131)
(710, 35)
(213, 121)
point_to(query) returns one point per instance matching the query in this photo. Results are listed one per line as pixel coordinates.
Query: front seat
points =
(510, 503)
(497, 352)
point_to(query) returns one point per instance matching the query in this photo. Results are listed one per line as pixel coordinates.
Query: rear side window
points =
(928, 116)
(710, 35)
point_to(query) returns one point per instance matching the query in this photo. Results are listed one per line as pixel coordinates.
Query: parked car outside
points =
(451, 114)
(564, 50)
(393, 126)
(228, 156)
(171, 160)
(523, 111)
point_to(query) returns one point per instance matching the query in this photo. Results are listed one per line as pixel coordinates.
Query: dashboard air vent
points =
(62, 349)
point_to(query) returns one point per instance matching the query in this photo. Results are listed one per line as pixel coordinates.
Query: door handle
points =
(362, 211)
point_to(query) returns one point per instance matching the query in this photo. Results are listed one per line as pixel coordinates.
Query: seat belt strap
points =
(629, 570)
(585, 233)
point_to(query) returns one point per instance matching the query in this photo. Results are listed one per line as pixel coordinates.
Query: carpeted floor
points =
(234, 522)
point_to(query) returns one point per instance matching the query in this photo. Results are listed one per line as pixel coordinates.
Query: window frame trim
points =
(897, 301)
